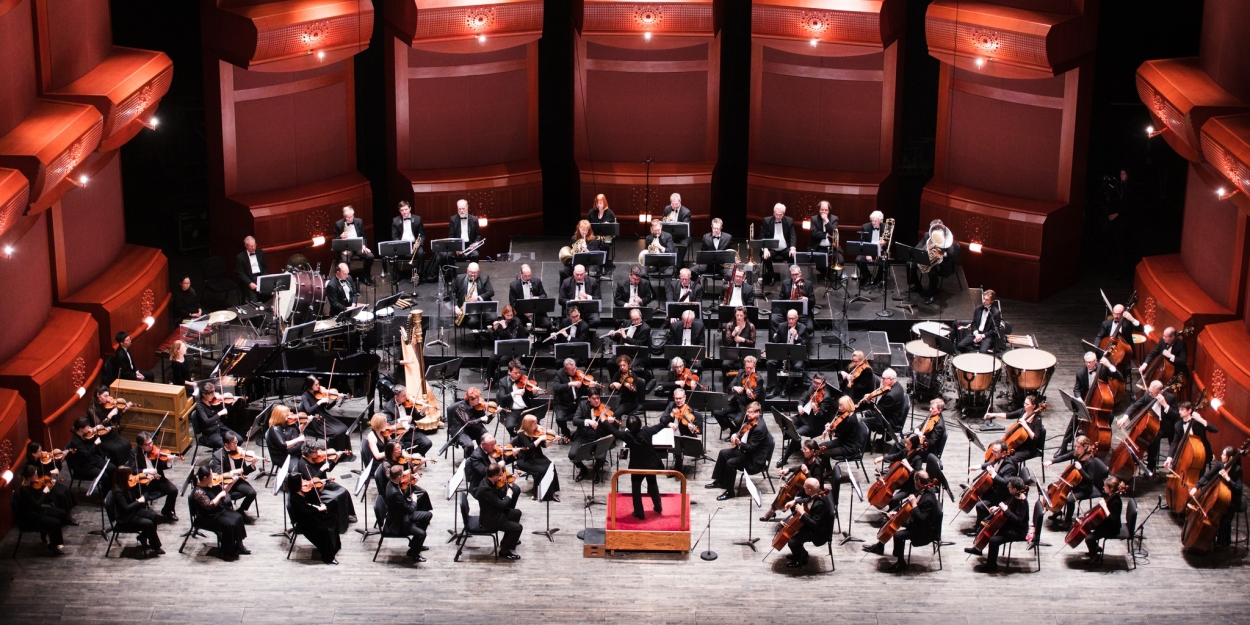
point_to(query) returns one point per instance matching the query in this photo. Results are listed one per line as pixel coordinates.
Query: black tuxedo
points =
(642, 455)
(568, 291)
(666, 242)
(821, 231)
(992, 337)
(516, 293)
(865, 235)
(683, 213)
(621, 297)
(751, 455)
(485, 291)
(475, 467)
(124, 366)
(365, 253)
(453, 231)
(923, 527)
(781, 334)
(890, 405)
(1125, 330)
(498, 512)
(672, 291)
(338, 298)
(243, 269)
(677, 328)
(782, 255)
(817, 525)
(404, 518)
(748, 295)
(418, 228)
(1180, 355)
(806, 289)
(713, 244)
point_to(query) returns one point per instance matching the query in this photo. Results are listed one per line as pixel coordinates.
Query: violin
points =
(503, 479)
(751, 383)
(226, 399)
(503, 450)
(626, 379)
(685, 416)
(305, 485)
(529, 385)
(855, 370)
(582, 376)
(163, 455)
(815, 400)
(56, 455)
(408, 479)
(330, 394)
(96, 430)
(602, 412)
(690, 380)
(414, 460)
(117, 403)
(332, 455)
(246, 456)
(42, 482)
(837, 420)
(300, 418)
(394, 430)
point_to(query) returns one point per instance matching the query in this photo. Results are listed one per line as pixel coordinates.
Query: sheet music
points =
(664, 439)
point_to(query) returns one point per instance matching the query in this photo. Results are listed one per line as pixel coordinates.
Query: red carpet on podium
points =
(668, 521)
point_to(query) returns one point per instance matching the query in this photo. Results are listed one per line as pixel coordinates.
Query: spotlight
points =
(807, 224)
(813, 42)
(149, 321)
(980, 62)
(1216, 403)
(1149, 328)
(1152, 133)
(1224, 195)
(643, 218)
(81, 181)
(150, 125)
(321, 55)
(975, 248)
(481, 222)
(82, 391)
(646, 36)
(481, 39)
(8, 251)
(6, 478)
(318, 241)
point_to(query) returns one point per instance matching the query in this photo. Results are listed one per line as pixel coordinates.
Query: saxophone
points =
(465, 304)
(654, 248)
(887, 237)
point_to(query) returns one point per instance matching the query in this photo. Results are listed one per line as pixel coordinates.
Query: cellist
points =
(923, 527)
(815, 464)
(1093, 471)
(1084, 379)
(919, 457)
(1016, 508)
(1230, 472)
(1110, 526)
(1003, 468)
(816, 512)
(1030, 416)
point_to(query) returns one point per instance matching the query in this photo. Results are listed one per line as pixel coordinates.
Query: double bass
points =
(1116, 347)
(1207, 508)
(1187, 464)
(1162, 369)
(793, 525)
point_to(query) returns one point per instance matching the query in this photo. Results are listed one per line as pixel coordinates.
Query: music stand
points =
(788, 431)
(606, 229)
(687, 353)
(590, 259)
(298, 333)
(355, 245)
(482, 308)
(936, 341)
(579, 352)
(714, 262)
(914, 255)
(783, 306)
(785, 352)
(541, 307)
(656, 262)
(634, 352)
(679, 230)
(453, 485)
(507, 349)
(447, 246)
(587, 306)
(270, 282)
(621, 313)
(706, 402)
(755, 497)
(855, 249)
(847, 536)
(674, 309)
(395, 249)
(973, 439)
(739, 353)
(362, 490)
(591, 452)
(543, 486)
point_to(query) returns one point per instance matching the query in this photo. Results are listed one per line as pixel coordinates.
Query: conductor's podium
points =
(666, 531)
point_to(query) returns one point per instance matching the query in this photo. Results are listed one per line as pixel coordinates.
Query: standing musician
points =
(824, 233)
(315, 463)
(496, 500)
(146, 461)
(843, 442)
(124, 365)
(1190, 424)
(526, 286)
(87, 459)
(1171, 349)
(813, 416)
(322, 424)
(130, 512)
(506, 328)
(250, 264)
(1110, 526)
(858, 379)
(312, 517)
(1016, 507)
(796, 288)
(567, 389)
(1231, 475)
(939, 243)
(686, 331)
(746, 389)
(530, 442)
(1164, 405)
(642, 456)
(35, 507)
(1031, 418)
(630, 383)
(584, 240)
(405, 515)
(816, 512)
(1002, 467)
(738, 333)
(871, 232)
(59, 493)
(593, 421)
(105, 414)
(214, 513)
(209, 414)
(636, 291)
(741, 293)
(351, 227)
(401, 409)
(466, 419)
(1084, 379)
(779, 228)
(230, 461)
(285, 433)
(684, 288)
(983, 333)
(513, 397)
(889, 417)
(409, 227)
(748, 452)
(792, 332)
(579, 287)
(922, 528)
(658, 241)
(472, 287)
(1093, 471)
(342, 292)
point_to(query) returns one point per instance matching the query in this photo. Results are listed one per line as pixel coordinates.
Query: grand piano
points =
(259, 363)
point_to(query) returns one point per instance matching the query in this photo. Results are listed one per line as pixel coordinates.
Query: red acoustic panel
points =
(833, 124)
(1226, 146)
(1181, 97)
(470, 121)
(625, 186)
(429, 21)
(21, 322)
(14, 434)
(983, 131)
(510, 197)
(1222, 369)
(292, 140)
(46, 146)
(126, 87)
(94, 226)
(634, 115)
(1012, 40)
(287, 35)
(1208, 237)
(133, 289)
(61, 358)
(1225, 49)
(14, 196)
(1170, 297)
(629, 16)
(875, 24)
(18, 81)
(74, 37)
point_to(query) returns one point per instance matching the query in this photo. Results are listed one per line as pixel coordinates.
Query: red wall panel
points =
(984, 130)
(17, 67)
(1225, 48)
(835, 124)
(291, 140)
(469, 121)
(1207, 238)
(95, 226)
(634, 115)
(34, 281)
(79, 37)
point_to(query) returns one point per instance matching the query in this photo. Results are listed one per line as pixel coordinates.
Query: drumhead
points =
(286, 299)
(976, 363)
(918, 349)
(934, 327)
(1029, 359)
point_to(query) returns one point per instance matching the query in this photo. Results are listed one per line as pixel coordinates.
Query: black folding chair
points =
(472, 527)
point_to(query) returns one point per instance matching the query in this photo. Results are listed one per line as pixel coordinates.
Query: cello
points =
(1057, 492)
(1208, 507)
(793, 524)
(1017, 433)
(1187, 464)
(1140, 432)
(1092, 519)
(980, 486)
(903, 514)
(882, 490)
(1100, 400)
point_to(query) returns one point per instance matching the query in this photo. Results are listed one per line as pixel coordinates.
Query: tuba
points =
(887, 237)
(934, 248)
(567, 252)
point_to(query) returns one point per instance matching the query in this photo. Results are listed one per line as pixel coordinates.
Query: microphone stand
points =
(707, 555)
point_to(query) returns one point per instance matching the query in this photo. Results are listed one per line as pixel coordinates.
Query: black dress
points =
(35, 508)
(220, 518)
(532, 460)
(179, 372)
(131, 516)
(318, 526)
(185, 304)
(61, 496)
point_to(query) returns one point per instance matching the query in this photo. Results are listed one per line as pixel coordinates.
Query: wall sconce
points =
(82, 391)
(80, 182)
(1224, 195)
(481, 39)
(321, 55)
(1148, 328)
(813, 42)
(981, 61)
(646, 36)
(807, 224)
(318, 241)
(975, 248)
(481, 221)
(8, 251)
(644, 218)
(6, 478)
(1152, 133)
(149, 321)
(1216, 403)
(150, 125)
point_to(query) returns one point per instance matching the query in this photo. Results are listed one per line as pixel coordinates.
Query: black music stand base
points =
(848, 537)
(751, 539)
(550, 532)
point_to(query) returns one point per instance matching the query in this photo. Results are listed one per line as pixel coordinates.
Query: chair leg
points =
(292, 547)
(381, 537)
(833, 565)
(112, 537)
(937, 546)
(195, 451)
(16, 543)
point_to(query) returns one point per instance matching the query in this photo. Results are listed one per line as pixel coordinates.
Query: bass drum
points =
(304, 300)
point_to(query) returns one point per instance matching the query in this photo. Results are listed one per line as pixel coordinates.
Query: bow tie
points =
(525, 283)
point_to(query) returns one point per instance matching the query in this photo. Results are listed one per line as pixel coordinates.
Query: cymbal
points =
(222, 316)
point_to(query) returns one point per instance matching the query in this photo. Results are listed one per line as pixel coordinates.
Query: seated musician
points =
(749, 453)
(714, 241)
(477, 463)
(124, 365)
(816, 465)
(466, 419)
(507, 327)
(530, 442)
(285, 433)
(513, 397)
(112, 444)
(675, 380)
(1001, 467)
(312, 517)
(684, 289)
(526, 286)
(579, 287)
(632, 333)
(632, 392)
(642, 456)
(741, 293)
(315, 462)
(660, 242)
(60, 496)
(376, 440)
(738, 333)
(1164, 406)
(352, 227)
(779, 228)
(918, 455)
(472, 287)
(1170, 349)
(342, 292)
(824, 234)
(922, 528)
(566, 390)
(858, 379)
(130, 511)
(814, 413)
(1031, 417)
(1093, 471)
(933, 430)
(816, 512)
(573, 328)
(1084, 380)
(249, 265)
(686, 331)
(676, 212)
(871, 232)
(404, 516)
(322, 425)
(209, 414)
(87, 459)
(792, 332)
(983, 333)
(36, 507)
(590, 428)
(746, 389)
(214, 512)
(230, 460)
(1190, 424)
(672, 417)
(1110, 526)
(399, 411)
(1228, 468)
(794, 287)
(634, 292)
(497, 509)
(1016, 507)
(844, 443)
(409, 227)
(184, 302)
(144, 462)
(938, 242)
(584, 240)
(888, 417)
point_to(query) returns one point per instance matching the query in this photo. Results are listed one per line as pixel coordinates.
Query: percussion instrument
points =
(924, 359)
(364, 321)
(932, 327)
(305, 298)
(975, 372)
(222, 316)
(1029, 369)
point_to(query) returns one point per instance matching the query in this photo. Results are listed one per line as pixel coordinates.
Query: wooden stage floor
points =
(553, 583)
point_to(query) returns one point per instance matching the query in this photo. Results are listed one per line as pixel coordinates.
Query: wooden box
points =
(593, 545)
(151, 403)
(151, 397)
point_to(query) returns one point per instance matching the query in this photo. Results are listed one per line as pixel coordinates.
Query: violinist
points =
(796, 288)
(684, 289)
(373, 447)
(230, 460)
(579, 286)
(634, 292)
(496, 500)
(1085, 378)
(686, 331)
(1190, 424)
(515, 393)
(1016, 509)
(567, 389)
(738, 333)
(741, 293)
(844, 441)
(817, 512)
(922, 528)
(404, 517)
(152, 461)
(105, 413)
(1093, 471)
(573, 329)
(748, 452)
(130, 513)
(86, 459)
(401, 409)
(215, 513)
(477, 463)
(888, 417)
(746, 390)
(679, 377)
(1229, 470)
(814, 415)
(530, 442)
(1164, 406)
(792, 332)
(642, 455)
(682, 418)
(593, 421)
(1170, 349)
(983, 335)
(815, 464)
(47, 464)
(312, 518)
(1110, 526)
(210, 414)
(34, 507)
(467, 419)
(1002, 468)
(315, 462)
(316, 402)
(857, 380)
(630, 383)
(285, 433)
(1031, 417)
(526, 286)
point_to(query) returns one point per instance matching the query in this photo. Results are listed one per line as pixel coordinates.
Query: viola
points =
(751, 383)
(97, 430)
(414, 460)
(793, 525)
(315, 483)
(1208, 508)
(394, 430)
(815, 400)
(529, 384)
(690, 380)
(626, 379)
(56, 455)
(503, 479)
(882, 490)
(300, 418)
(158, 454)
(330, 394)
(582, 376)
(837, 421)
(408, 479)
(140, 478)
(685, 416)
